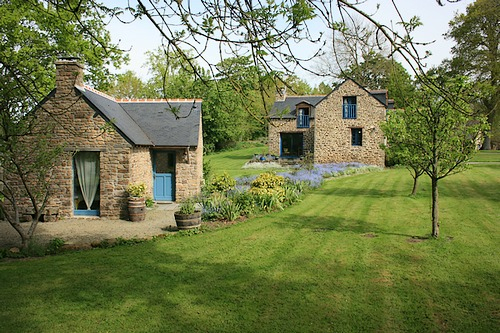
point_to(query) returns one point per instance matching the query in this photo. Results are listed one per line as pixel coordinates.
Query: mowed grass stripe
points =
(305, 269)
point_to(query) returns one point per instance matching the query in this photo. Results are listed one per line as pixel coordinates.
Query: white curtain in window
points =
(87, 169)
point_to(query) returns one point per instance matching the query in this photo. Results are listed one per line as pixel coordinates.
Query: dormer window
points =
(349, 107)
(303, 115)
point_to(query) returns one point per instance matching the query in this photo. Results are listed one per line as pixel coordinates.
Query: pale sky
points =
(141, 36)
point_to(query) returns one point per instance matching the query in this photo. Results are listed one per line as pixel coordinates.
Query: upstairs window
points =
(349, 107)
(303, 117)
(356, 137)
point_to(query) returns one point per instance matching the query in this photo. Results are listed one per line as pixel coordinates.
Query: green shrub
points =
(211, 204)
(137, 190)
(229, 210)
(207, 170)
(150, 202)
(246, 201)
(269, 201)
(54, 246)
(187, 206)
(222, 183)
(292, 193)
(268, 180)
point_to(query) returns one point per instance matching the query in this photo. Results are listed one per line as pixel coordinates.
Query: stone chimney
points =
(280, 94)
(69, 73)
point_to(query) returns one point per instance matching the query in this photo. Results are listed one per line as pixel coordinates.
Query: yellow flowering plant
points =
(137, 190)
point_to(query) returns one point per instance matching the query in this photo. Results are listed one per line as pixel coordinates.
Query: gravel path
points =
(84, 231)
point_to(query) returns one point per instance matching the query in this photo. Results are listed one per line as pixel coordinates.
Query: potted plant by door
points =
(187, 217)
(136, 201)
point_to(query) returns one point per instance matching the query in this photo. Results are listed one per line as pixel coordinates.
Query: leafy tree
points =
(295, 86)
(270, 32)
(235, 103)
(476, 55)
(398, 150)
(27, 169)
(173, 76)
(322, 89)
(378, 72)
(436, 136)
(33, 35)
(128, 85)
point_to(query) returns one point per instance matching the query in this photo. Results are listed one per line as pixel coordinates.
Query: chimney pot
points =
(69, 73)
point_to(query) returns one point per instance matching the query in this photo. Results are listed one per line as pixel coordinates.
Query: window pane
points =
(291, 144)
(356, 136)
(164, 162)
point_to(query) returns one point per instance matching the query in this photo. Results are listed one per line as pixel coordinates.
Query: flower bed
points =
(228, 199)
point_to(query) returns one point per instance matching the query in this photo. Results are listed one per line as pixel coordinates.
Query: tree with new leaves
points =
(233, 103)
(128, 85)
(33, 35)
(476, 54)
(172, 76)
(295, 86)
(270, 32)
(436, 136)
(398, 151)
(379, 72)
(359, 52)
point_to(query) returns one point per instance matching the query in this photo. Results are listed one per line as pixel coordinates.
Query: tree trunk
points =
(435, 208)
(486, 143)
(415, 185)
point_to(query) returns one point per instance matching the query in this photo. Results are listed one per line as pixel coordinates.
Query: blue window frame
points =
(356, 137)
(349, 107)
(303, 118)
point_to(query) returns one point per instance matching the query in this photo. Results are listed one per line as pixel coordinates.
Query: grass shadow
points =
(336, 224)
(162, 290)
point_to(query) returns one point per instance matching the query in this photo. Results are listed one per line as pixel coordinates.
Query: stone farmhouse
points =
(343, 126)
(110, 143)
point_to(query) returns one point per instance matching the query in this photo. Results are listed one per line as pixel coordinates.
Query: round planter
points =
(136, 209)
(187, 221)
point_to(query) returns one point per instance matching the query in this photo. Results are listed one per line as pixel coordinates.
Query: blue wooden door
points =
(164, 175)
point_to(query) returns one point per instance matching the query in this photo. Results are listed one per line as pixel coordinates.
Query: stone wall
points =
(189, 170)
(277, 126)
(141, 168)
(333, 133)
(78, 130)
(76, 126)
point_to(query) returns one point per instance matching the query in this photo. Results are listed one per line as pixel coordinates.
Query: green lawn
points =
(232, 161)
(487, 156)
(349, 258)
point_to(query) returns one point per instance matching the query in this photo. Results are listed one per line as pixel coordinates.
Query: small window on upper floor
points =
(349, 107)
(303, 117)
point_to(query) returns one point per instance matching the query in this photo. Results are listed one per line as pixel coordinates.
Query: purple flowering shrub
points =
(313, 177)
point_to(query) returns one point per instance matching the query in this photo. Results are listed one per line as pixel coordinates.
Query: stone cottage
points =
(111, 143)
(343, 126)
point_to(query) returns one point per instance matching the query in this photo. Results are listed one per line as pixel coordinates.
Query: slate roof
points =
(158, 120)
(286, 109)
(149, 123)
